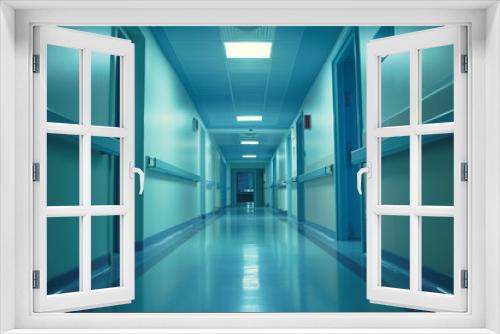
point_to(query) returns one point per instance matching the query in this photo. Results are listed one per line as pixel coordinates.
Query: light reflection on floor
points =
(249, 260)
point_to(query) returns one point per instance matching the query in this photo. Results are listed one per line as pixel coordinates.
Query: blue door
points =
(347, 132)
(301, 216)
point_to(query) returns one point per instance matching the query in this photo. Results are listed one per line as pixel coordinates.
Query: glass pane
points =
(395, 231)
(395, 171)
(63, 84)
(395, 89)
(437, 84)
(105, 252)
(63, 255)
(437, 254)
(63, 166)
(105, 171)
(437, 170)
(105, 89)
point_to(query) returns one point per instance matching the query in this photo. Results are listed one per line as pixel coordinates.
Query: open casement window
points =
(416, 164)
(83, 149)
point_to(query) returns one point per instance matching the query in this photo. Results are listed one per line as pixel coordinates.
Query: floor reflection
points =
(249, 260)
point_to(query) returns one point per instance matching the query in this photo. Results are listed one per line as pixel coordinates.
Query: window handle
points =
(365, 170)
(134, 170)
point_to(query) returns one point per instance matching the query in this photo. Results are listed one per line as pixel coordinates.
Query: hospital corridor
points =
(201, 169)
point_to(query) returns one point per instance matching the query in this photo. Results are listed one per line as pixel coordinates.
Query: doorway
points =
(300, 168)
(347, 132)
(245, 189)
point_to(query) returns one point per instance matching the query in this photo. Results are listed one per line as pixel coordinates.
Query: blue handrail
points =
(104, 145)
(316, 174)
(163, 167)
(399, 144)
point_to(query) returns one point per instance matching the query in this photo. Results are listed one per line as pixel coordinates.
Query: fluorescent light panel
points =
(253, 118)
(260, 50)
(249, 156)
(249, 142)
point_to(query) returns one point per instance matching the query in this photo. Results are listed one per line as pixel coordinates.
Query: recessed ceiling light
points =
(249, 156)
(248, 49)
(249, 142)
(255, 118)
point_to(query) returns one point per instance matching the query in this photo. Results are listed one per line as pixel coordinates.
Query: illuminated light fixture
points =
(255, 118)
(261, 50)
(249, 142)
(249, 156)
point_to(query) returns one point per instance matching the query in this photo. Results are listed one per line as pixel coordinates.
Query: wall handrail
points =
(104, 145)
(163, 167)
(397, 144)
(316, 174)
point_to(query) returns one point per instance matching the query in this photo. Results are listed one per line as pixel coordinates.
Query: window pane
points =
(63, 166)
(63, 84)
(395, 89)
(437, 254)
(437, 84)
(105, 171)
(105, 252)
(395, 231)
(63, 255)
(437, 170)
(395, 171)
(105, 89)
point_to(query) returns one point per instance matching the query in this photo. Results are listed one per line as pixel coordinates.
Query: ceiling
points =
(222, 88)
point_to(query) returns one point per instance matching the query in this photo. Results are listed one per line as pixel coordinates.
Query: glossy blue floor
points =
(250, 260)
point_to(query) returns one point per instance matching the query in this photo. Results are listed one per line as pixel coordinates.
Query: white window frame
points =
(86, 44)
(413, 43)
(16, 21)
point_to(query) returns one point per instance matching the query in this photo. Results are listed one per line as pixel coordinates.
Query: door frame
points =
(483, 122)
(301, 203)
(203, 170)
(346, 198)
(289, 174)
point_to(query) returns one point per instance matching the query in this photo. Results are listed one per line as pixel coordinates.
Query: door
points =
(203, 183)
(416, 164)
(299, 125)
(83, 170)
(245, 188)
(347, 130)
(289, 174)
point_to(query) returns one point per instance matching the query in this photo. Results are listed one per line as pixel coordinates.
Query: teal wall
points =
(437, 154)
(168, 136)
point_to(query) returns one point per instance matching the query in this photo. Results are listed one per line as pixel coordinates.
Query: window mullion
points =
(415, 173)
(85, 173)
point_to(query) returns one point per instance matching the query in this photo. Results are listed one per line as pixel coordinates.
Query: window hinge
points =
(464, 171)
(36, 172)
(36, 63)
(36, 279)
(464, 279)
(465, 63)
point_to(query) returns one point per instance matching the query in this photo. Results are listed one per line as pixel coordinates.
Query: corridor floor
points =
(249, 260)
